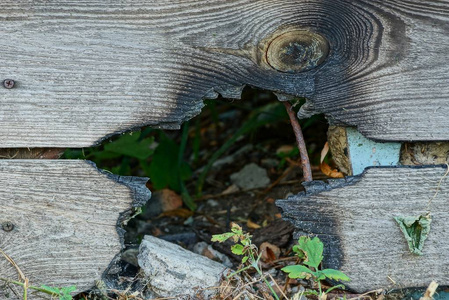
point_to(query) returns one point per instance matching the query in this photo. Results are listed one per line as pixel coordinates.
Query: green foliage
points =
(166, 170)
(131, 145)
(63, 293)
(283, 156)
(311, 252)
(415, 230)
(244, 247)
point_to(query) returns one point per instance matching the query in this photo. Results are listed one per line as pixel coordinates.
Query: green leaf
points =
(50, 289)
(319, 276)
(415, 230)
(66, 293)
(245, 259)
(165, 169)
(340, 286)
(311, 292)
(238, 249)
(237, 229)
(313, 248)
(298, 251)
(297, 271)
(130, 145)
(335, 275)
(222, 237)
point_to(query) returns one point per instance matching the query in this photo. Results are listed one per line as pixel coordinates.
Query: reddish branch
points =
(305, 162)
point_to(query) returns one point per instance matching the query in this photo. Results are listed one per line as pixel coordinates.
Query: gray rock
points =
(172, 271)
(251, 177)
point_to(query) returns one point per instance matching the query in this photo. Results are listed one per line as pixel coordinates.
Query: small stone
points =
(251, 177)
(212, 203)
(130, 256)
(172, 271)
(204, 249)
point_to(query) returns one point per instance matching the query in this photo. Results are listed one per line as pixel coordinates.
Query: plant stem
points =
(30, 287)
(266, 282)
(305, 162)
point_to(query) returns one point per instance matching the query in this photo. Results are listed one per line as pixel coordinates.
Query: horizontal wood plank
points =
(355, 219)
(64, 216)
(84, 70)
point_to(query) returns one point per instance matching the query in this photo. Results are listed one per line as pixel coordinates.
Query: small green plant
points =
(311, 252)
(244, 247)
(63, 293)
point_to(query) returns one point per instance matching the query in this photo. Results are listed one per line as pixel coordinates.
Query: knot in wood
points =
(297, 51)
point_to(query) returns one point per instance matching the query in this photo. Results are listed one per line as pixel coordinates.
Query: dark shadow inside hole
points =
(253, 131)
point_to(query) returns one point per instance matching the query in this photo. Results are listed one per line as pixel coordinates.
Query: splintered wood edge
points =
(354, 217)
(67, 219)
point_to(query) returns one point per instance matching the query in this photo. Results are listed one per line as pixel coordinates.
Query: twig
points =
(379, 291)
(279, 288)
(305, 162)
(428, 295)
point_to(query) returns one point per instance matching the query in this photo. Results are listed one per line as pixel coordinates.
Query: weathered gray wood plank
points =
(64, 215)
(84, 70)
(355, 219)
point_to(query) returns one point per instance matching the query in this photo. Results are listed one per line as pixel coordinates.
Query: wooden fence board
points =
(65, 215)
(84, 70)
(355, 220)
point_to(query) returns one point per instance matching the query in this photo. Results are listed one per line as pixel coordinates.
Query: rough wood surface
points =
(64, 215)
(86, 69)
(355, 219)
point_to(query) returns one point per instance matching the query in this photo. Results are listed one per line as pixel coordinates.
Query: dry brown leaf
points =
(325, 168)
(284, 149)
(180, 212)
(270, 252)
(252, 225)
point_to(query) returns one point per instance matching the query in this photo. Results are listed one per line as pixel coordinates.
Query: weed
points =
(63, 293)
(311, 252)
(244, 247)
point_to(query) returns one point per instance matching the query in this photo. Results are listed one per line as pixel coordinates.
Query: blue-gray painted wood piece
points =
(439, 295)
(365, 153)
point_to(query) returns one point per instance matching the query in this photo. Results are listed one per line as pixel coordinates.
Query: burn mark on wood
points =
(356, 219)
(134, 65)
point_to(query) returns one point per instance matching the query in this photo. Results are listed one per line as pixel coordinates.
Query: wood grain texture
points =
(355, 219)
(65, 215)
(87, 69)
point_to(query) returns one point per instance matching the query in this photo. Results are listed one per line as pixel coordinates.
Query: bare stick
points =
(305, 162)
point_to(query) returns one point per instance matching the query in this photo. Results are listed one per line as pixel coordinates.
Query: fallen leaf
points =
(230, 190)
(285, 149)
(325, 168)
(252, 225)
(269, 251)
(180, 212)
(169, 200)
